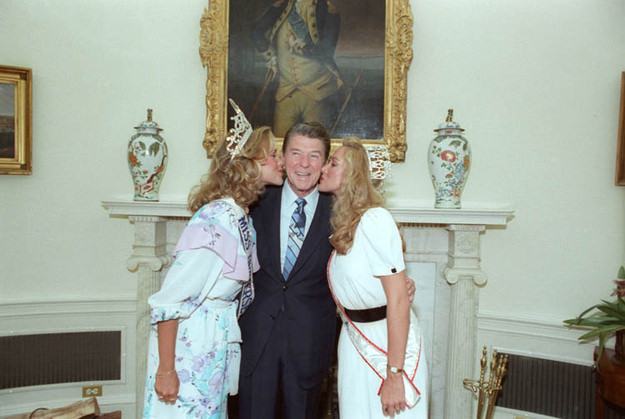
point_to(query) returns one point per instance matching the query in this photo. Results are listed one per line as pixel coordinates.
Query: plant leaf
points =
(612, 309)
(587, 310)
(602, 332)
(591, 322)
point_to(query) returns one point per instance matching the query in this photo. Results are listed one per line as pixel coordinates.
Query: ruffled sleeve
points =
(214, 227)
(209, 248)
(383, 245)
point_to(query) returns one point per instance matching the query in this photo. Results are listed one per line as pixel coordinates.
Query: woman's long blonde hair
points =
(238, 177)
(356, 195)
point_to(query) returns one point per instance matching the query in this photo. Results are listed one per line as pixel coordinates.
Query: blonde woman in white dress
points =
(382, 368)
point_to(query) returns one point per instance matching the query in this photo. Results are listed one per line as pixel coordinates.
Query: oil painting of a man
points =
(298, 39)
(293, 61)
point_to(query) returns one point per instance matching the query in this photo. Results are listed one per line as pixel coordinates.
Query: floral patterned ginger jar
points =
(147, 160)
(449, 158)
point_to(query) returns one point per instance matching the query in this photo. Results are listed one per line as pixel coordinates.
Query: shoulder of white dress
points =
(212, 212)
(376, 213)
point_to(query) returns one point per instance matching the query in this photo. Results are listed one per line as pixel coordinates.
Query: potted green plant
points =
(605, 320)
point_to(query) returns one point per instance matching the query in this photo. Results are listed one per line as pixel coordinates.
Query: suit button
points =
(284, 288)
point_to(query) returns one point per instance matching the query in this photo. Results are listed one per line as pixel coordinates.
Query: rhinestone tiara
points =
(240, 133)
(379, 161)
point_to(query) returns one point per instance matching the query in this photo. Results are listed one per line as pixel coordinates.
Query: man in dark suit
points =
(289, 330)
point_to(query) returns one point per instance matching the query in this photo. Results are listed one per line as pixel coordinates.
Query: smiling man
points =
(289, 330)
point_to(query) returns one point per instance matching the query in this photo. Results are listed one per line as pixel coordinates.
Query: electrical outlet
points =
(92, 391)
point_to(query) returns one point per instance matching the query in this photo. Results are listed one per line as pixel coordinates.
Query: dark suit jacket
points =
(309, 311)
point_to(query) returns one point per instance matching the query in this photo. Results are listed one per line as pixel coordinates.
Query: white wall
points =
(535, 83)
(97, 66)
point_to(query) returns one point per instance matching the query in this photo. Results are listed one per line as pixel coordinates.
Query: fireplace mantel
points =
(486, 216)
(450, 238)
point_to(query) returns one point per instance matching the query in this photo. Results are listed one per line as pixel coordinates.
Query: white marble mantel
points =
(487, 216)
(450, 238)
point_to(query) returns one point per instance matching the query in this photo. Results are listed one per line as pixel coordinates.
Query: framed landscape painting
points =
(15, 120)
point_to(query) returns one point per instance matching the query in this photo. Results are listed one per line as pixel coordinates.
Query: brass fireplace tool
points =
(487, 390)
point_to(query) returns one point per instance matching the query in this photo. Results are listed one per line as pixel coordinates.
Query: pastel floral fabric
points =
(200, 290)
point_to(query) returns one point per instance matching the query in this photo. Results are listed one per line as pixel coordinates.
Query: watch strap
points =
(395, 370)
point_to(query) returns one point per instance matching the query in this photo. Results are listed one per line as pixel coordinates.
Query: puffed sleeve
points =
(189, 279)
(383, 245)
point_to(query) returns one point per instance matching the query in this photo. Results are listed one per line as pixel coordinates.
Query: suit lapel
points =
(273, 231)
(267, 224)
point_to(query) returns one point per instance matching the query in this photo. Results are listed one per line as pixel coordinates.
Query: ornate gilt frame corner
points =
(397, 58)
(397, 55)
(214, 57)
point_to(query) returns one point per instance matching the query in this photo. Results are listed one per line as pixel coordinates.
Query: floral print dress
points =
(200, 290)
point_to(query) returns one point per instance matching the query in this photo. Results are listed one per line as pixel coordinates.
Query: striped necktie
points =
(296, 237)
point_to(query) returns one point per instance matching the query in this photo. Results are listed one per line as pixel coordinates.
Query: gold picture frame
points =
(397, 45)
(15, 120)
(619, 179)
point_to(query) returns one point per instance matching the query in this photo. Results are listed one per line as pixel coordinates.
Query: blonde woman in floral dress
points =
(382, 369)
(194, 349)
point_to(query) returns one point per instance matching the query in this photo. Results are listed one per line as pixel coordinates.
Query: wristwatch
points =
(395, 370)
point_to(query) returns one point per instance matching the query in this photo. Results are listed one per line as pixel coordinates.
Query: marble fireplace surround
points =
(442, 256)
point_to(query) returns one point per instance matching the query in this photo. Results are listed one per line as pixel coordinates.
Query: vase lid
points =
(149, 126)
(449, 124)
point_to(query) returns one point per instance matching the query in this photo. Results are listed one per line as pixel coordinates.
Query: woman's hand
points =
(167, 385)
(411, 289)
(392, 394)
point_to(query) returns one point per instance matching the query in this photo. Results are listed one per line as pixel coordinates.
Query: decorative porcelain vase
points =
(147, 160)
(449, 159)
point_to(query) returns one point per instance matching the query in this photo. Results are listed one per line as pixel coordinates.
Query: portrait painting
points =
(340, 62)
(332, 71)
(15, 120)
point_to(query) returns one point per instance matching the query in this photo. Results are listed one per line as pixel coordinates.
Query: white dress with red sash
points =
(376, 251)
